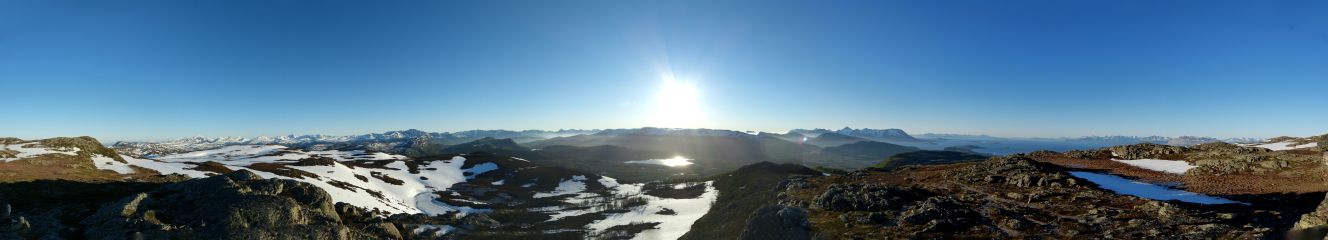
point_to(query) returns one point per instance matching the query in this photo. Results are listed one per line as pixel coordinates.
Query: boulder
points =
(1313, 225)
(941, 214)
(1147, 151)
(777, 222)
(866, 197)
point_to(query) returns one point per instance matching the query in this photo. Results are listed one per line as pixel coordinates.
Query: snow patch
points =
(1168, 166)
(686, 212)
(28, 150)
(441, 229)
(608, 182)
(340, 181)
(572, 186)
(480, 169)
(428, 202)
(108, 163)
(1286, 145)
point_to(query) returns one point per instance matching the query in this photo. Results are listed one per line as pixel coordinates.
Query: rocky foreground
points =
(65, 188)
(237, 205)
(1265, 193)
(68, 189)
(1018, 197)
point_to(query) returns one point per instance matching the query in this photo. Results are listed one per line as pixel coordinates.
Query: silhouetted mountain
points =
(409, 142)
(884, 135)
(834, 139)
(700, 144)
(928, 158)
(487, 144)
(869, 149)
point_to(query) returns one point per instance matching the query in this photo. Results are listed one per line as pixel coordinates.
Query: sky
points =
(138, 70)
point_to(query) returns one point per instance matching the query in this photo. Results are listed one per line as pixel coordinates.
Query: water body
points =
(671, 162)
(1147, 190)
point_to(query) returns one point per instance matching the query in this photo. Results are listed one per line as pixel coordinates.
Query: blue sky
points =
(165, 69)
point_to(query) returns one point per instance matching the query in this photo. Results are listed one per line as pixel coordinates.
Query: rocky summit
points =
(73, 188)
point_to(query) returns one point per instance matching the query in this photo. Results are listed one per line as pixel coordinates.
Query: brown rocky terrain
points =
(1220, 168)
(1280, 194)
(1019, 197)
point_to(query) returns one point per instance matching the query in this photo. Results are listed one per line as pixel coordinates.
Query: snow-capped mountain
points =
(1290, 143)
(386, 141)
(1175, 141)
(890, 134)
(653, 131)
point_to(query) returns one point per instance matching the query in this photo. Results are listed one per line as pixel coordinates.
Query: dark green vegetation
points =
(928, 158)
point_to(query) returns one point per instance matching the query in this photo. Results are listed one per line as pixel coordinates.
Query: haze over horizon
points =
(170, 69)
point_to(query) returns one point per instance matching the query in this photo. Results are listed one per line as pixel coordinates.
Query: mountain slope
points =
(76, 159)
(478, 195)
(827, 140)
(410, 142)
(884, 135)
(729, 149)
(487, 144)
(742, 192)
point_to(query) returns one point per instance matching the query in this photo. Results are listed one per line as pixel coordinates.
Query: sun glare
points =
(675, 161)
(677, 105)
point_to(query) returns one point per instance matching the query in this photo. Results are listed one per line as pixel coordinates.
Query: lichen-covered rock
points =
(1313, 225)
(1089, 154)
(238, 205)
(777, 222)
(938, 208)
(866, 197)
(1147, 151)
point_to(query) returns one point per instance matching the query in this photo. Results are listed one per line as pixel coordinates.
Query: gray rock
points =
(777, 222)
(1147, 150)
(1313, 225)
(868, 197)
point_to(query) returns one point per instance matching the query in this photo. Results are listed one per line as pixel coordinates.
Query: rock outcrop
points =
(1147, 150)
(1313, 225)
(865, 197)
(1006, 198)
(777, 222)
(237, 205)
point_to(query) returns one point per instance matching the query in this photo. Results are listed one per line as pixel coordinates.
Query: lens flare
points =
(678, 105)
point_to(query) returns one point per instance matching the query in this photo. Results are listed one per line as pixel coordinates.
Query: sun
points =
(678, 105)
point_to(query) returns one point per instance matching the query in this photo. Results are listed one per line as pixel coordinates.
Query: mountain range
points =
(656, 183)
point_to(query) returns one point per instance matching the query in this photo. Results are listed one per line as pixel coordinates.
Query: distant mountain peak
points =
(655, 131)
(889, 134)
(374, 141)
